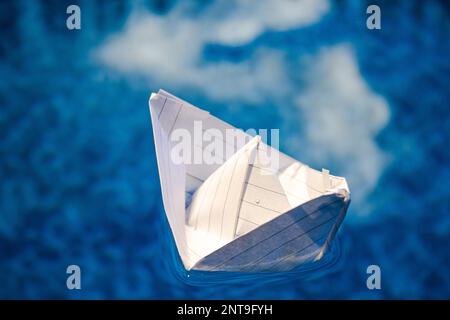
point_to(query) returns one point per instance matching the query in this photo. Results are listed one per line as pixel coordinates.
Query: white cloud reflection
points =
(343, 117)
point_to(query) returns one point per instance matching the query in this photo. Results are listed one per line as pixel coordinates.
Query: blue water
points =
(79, 181)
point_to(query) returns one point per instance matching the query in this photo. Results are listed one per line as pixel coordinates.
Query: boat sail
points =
(243, 213)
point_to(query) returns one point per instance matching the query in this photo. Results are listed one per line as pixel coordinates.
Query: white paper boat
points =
(242, 215)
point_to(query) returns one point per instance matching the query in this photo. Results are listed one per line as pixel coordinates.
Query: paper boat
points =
(241, 214)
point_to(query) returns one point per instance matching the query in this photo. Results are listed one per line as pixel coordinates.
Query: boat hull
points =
(298, 236)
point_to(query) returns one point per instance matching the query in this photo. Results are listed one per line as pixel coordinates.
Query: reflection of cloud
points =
(169, 48)
(343, 117)
(251, 18)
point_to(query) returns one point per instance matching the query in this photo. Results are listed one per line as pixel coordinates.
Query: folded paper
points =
(243, 214)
